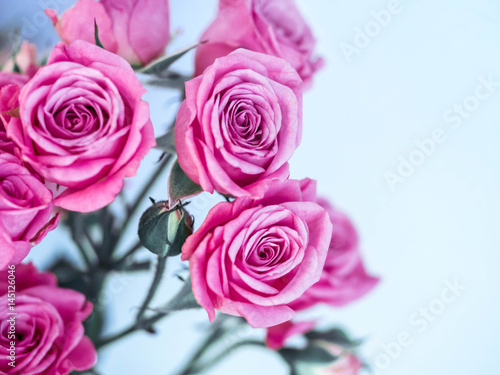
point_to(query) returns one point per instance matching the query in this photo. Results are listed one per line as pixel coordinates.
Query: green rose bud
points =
(342, 362)
(163, 231)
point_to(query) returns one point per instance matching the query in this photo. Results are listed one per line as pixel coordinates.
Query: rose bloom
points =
(277, 336)
(10, 84)
(49, 337)
(344, 278)
(346, 364)
(240, 123)
(273, 27)
(25, 210)
(11, 78)
(83, 124)
(137, 30)
(251, 258)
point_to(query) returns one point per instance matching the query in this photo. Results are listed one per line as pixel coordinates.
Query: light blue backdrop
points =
(419, 76)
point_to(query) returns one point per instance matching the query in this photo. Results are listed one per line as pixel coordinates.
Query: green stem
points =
(90, 239)
(160, 269)
(76, 235)
(223, 354)
(97, 278)
(137, 326)
(216, 331)
(109, 238)
(177, 303)
(132, 209)
(121, 262)
(108, 340)
(84, 254)
(135, 206)
(99, 270)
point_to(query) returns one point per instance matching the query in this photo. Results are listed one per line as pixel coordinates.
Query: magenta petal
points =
(83, 356)
(74, 24)
(51, 225)
(277, 335)
(200, 289)
(149, 15)
(262, 317)
(92, 198)
(7, 249)
(30, 277)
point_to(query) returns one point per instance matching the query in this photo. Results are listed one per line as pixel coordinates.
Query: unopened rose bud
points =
(346, 363)
(163, 231)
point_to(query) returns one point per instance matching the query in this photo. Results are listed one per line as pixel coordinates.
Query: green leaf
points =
(180, 186)
(334, 336)
(16, 68)
(96, 35)
(166, 142)
(311, 354)
(14, 112)
(169, 79)
(159, 66)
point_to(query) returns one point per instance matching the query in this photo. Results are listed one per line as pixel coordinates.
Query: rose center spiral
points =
(267, 252)
(244, 123)
(17, 191)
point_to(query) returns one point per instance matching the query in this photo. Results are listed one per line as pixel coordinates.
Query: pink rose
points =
(240, 123)
(49, 337)
(346, 364)
(25, 210)
(10, 84)
(273, 27)
(83, 124)
(26, 60)
(344, 278)
(10, 78)
(278, 335)
(251, 258)
(137, 30)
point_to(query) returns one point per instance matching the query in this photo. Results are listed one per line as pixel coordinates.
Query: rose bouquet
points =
(74, 127)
